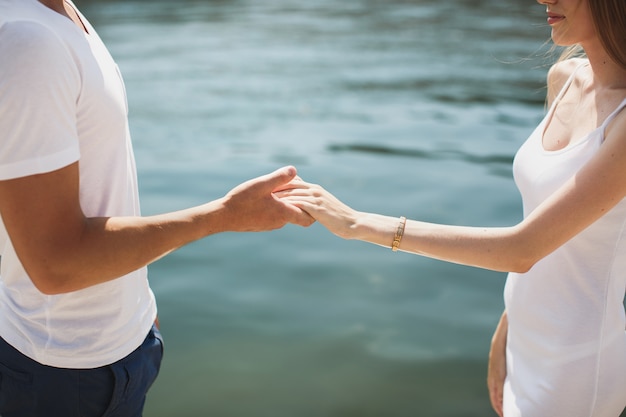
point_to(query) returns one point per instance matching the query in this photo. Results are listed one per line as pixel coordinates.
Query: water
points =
(400, 107)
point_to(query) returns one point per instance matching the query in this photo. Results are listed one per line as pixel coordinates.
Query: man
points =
(76, 310)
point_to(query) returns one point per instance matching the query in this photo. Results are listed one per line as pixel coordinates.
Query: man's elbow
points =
(52, 280)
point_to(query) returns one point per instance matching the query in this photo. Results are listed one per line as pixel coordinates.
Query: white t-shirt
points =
(566, 346)
(62, 100)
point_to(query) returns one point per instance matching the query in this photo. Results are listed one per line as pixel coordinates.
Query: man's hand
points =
(253, 207)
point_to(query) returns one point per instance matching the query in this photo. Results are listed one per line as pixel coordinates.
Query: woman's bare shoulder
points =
(558, 75)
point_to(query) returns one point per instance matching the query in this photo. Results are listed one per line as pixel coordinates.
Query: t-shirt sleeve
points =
(39, 88)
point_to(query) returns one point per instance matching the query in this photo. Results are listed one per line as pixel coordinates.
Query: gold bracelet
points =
(399, 233)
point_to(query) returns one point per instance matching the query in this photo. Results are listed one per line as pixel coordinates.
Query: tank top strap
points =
(567, 84)
(613, 114)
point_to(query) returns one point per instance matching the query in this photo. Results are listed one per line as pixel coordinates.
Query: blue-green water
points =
(411, 108)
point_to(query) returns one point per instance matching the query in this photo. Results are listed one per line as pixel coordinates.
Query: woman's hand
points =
(320, 204)
(496, 373)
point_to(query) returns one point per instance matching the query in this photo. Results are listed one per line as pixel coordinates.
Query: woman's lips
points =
(554, 18)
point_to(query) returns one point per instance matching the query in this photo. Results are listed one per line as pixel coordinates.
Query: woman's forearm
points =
(485, 247)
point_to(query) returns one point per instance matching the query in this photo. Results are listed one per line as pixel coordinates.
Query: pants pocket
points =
(134, 376)
(142, 372)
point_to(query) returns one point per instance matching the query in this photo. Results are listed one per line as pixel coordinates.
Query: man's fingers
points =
(278, 178)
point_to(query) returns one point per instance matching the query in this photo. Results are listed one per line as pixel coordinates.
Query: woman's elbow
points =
(521, 266)
(523, 250)
(523, 259)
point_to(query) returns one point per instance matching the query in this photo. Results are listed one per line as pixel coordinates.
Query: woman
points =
(563, 329)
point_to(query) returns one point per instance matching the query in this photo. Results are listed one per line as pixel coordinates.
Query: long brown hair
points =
(609, 18)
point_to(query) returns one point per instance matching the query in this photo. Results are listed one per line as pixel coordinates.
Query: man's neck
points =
(64, 9)
(56, 5)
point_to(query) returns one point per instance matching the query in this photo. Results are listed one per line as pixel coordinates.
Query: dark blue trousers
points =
(29, 389)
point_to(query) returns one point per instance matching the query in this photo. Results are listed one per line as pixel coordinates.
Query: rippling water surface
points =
(411, 108)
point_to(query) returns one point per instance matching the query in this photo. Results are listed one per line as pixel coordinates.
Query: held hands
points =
(271, 201)
(321, 205)
(255, 207)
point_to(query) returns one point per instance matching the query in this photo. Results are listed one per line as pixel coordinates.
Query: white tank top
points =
(566, 349)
